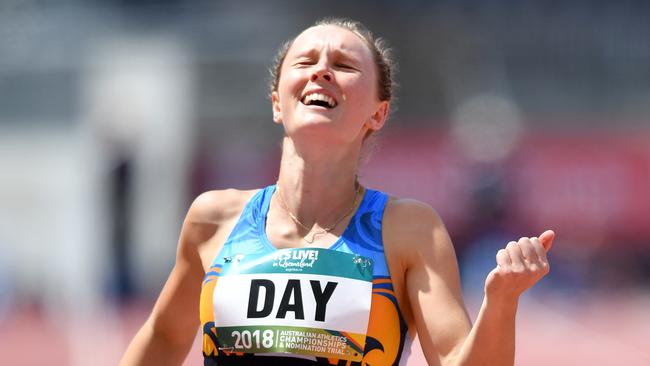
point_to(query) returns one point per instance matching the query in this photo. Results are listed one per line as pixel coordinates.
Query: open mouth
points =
(320, 100)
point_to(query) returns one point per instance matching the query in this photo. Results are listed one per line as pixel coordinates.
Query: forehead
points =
(333, 38)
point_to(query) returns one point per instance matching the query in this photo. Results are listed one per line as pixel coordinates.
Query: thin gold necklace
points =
(322, 231)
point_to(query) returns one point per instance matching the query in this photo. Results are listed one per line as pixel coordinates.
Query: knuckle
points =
(501, 254)
(518, 269)
(538, 248)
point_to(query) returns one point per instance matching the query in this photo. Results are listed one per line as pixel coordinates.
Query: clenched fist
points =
(519, 266)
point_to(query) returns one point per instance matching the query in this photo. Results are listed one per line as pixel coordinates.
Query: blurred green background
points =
(511, 117)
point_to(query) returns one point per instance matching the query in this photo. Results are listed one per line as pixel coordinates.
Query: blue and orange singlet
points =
(387, 340)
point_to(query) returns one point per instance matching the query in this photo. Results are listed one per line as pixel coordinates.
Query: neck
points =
(318, 184)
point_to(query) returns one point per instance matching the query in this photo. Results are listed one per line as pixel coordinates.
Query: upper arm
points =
(432, 280)
(168, 333)
(175, 315)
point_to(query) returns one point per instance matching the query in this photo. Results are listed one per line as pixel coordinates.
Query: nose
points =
(321, 70)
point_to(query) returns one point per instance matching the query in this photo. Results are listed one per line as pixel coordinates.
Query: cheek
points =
(363, 96)
(290, 83)
(364, 87)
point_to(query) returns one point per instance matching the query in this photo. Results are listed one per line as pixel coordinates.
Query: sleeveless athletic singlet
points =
(387, 340)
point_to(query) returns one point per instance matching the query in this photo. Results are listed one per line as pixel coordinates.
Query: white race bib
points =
(304, 301)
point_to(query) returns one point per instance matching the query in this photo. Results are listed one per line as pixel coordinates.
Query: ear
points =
(277, 111)
(377, 119)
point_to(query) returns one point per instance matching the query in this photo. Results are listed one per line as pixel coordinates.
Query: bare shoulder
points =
(217, 206)
(208, 220)
(411, 219)
(416, 228)
(411, 214)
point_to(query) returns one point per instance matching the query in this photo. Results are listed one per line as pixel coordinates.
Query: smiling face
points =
(328, 85)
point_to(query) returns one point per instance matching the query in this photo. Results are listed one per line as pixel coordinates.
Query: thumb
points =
(489, 280)
(547, 238)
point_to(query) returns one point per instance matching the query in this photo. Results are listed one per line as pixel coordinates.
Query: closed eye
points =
(346, 67)
(304, 62)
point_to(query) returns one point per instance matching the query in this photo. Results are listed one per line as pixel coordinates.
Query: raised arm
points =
(434, 293)
(168, 334)
(519, 266)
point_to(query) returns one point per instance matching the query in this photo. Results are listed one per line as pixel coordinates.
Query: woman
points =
(331, 90)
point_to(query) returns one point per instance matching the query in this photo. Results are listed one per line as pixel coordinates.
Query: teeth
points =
(322, 97)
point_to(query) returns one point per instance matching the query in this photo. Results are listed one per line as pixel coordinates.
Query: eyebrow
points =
(337, 53)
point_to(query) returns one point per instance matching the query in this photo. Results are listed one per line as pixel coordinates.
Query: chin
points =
(316, 129)
(314, 119)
